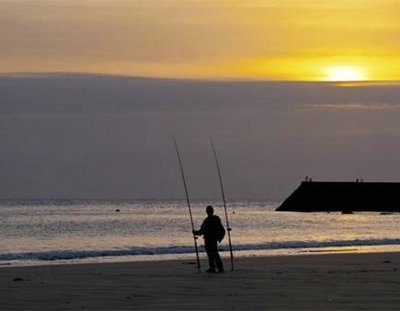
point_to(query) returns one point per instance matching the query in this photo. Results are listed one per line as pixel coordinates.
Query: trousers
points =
(214, 259)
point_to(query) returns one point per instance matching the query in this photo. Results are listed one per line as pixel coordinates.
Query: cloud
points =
(354, 106)
(98, 136)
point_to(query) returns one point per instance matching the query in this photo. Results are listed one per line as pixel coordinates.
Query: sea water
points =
(71, 231)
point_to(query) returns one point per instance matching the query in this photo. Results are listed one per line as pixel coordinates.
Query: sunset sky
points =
(316, 40)
(84, 113)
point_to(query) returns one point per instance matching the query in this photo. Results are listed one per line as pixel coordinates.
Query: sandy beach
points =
(316, 282)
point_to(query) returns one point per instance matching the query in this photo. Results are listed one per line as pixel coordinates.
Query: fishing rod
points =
(188, 202)
(224, 200)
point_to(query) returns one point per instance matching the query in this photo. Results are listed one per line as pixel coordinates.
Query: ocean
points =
(36, 232)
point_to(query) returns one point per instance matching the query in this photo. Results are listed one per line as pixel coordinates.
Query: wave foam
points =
(180, 249)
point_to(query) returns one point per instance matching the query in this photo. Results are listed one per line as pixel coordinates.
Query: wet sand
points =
(314, 282)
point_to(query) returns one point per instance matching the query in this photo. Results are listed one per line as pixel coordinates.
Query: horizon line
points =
(43, 74)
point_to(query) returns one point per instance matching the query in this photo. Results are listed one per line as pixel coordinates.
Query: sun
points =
(344, 73)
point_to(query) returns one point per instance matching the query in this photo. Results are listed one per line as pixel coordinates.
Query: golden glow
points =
(257, 39)
(315, 68)
(345, 73)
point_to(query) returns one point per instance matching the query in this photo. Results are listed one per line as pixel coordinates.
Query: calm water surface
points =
(37, 232)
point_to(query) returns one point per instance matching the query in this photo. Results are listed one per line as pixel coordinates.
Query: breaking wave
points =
(180, 249)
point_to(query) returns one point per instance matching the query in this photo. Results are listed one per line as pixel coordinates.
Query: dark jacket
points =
(211, 228)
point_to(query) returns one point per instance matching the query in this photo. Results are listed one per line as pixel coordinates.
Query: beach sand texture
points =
(315, 282)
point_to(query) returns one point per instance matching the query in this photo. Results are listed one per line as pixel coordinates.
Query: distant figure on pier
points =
(213, 232)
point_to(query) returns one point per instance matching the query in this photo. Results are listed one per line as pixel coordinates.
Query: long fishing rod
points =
(188, 202)
(224, 200)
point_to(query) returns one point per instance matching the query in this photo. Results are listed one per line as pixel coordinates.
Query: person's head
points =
(209, 210)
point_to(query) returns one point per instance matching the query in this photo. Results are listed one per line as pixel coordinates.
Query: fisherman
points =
(212, 232)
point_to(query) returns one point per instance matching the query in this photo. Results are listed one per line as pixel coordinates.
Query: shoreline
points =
(367, 281)
(238, 254)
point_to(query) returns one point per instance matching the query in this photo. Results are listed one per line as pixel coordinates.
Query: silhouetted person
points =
(212, 229)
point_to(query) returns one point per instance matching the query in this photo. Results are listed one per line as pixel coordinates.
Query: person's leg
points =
(211, 256)
(218, 260)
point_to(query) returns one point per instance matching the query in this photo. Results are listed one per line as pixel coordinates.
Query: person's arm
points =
(197, 232)
(201, 231)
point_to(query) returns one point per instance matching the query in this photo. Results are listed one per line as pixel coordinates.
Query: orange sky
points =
(270, 39)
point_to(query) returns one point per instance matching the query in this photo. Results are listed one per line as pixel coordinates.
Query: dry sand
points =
(317, 282)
